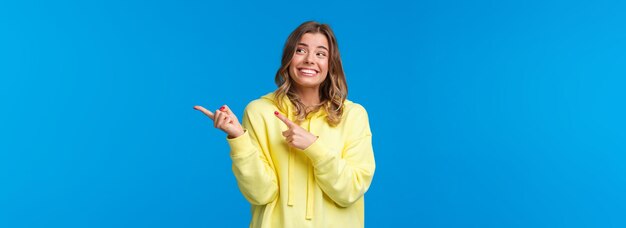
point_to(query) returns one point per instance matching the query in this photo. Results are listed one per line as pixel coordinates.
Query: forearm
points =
(255, 177)
(343, 179)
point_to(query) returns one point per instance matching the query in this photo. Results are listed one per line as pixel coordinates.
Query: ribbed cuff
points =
(316, 152)
(241, 145)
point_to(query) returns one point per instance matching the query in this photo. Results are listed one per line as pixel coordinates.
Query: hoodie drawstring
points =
(309, 194)
(290, 170)
(310, 186)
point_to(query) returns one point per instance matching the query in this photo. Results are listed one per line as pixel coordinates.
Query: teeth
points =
(307, 71)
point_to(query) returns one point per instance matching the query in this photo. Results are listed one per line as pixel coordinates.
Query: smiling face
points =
(309, 66)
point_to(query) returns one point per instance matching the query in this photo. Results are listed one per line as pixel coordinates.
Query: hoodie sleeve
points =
(346, 175)
(255, 176)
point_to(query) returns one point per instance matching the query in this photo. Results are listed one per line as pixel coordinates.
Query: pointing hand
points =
(224, 119)
(296, 136)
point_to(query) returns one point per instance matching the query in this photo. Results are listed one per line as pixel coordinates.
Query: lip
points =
(307, 72)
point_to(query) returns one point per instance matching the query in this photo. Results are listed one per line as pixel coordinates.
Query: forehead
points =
(314, 40)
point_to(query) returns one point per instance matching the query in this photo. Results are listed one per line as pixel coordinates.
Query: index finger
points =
(284, 119)
(204, 110)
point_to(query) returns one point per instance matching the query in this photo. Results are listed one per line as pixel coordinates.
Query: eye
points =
(322, 54)
(300, 50)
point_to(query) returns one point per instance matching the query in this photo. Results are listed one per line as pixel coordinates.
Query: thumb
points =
(284, 119)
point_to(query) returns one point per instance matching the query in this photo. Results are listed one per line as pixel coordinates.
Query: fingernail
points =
(222, 108)
(276, 113)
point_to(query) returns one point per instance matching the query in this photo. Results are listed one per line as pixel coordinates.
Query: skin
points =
(311, 53)
(308, 69)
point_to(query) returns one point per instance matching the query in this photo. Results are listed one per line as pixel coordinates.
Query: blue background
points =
(484, 113)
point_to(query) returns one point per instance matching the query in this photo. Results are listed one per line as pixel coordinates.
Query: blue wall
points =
(484, 113)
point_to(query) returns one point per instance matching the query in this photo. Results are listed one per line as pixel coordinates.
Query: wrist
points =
(236, 134)
(313, 139)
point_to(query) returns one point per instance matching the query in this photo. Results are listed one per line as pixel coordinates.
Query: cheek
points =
(291, 68)
(292, 65)
(296, 59)
(324, 66)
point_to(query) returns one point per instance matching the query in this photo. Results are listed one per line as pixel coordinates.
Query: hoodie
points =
(320, 186)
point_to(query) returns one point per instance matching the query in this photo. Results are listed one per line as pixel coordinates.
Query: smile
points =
(307, 72)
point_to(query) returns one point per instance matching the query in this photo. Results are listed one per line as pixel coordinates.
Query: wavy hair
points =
(333, 90)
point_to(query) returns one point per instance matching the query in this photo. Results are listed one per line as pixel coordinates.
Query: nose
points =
(309, 58)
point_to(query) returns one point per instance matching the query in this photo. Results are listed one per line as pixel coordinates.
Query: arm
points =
(345, 176)
(255, 176)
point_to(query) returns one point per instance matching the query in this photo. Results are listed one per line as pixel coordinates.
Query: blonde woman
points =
(303, 154)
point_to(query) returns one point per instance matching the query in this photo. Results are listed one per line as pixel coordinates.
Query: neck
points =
(309, 96)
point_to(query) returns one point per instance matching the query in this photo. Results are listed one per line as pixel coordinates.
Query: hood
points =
(288, 109)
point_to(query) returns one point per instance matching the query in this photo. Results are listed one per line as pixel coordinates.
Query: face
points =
(309, 65)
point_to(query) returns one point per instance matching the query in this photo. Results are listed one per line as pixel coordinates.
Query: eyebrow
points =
(303, 44)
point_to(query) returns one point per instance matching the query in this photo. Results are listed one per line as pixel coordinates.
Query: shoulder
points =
(352, 109)
(354, 115)
(355, 119)
(260, 105)
(264, 104)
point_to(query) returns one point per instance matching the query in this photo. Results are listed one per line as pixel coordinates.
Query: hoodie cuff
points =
(316, 152)
(241, 145)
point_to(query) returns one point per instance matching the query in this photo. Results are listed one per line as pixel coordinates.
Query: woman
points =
(303, 156)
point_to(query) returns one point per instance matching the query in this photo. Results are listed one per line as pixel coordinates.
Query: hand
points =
(296, 136)
(224, 119)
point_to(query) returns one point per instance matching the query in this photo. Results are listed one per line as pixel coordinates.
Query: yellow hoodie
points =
(320, 186)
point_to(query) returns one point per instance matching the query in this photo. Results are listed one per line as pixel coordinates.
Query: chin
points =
(307, 84)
